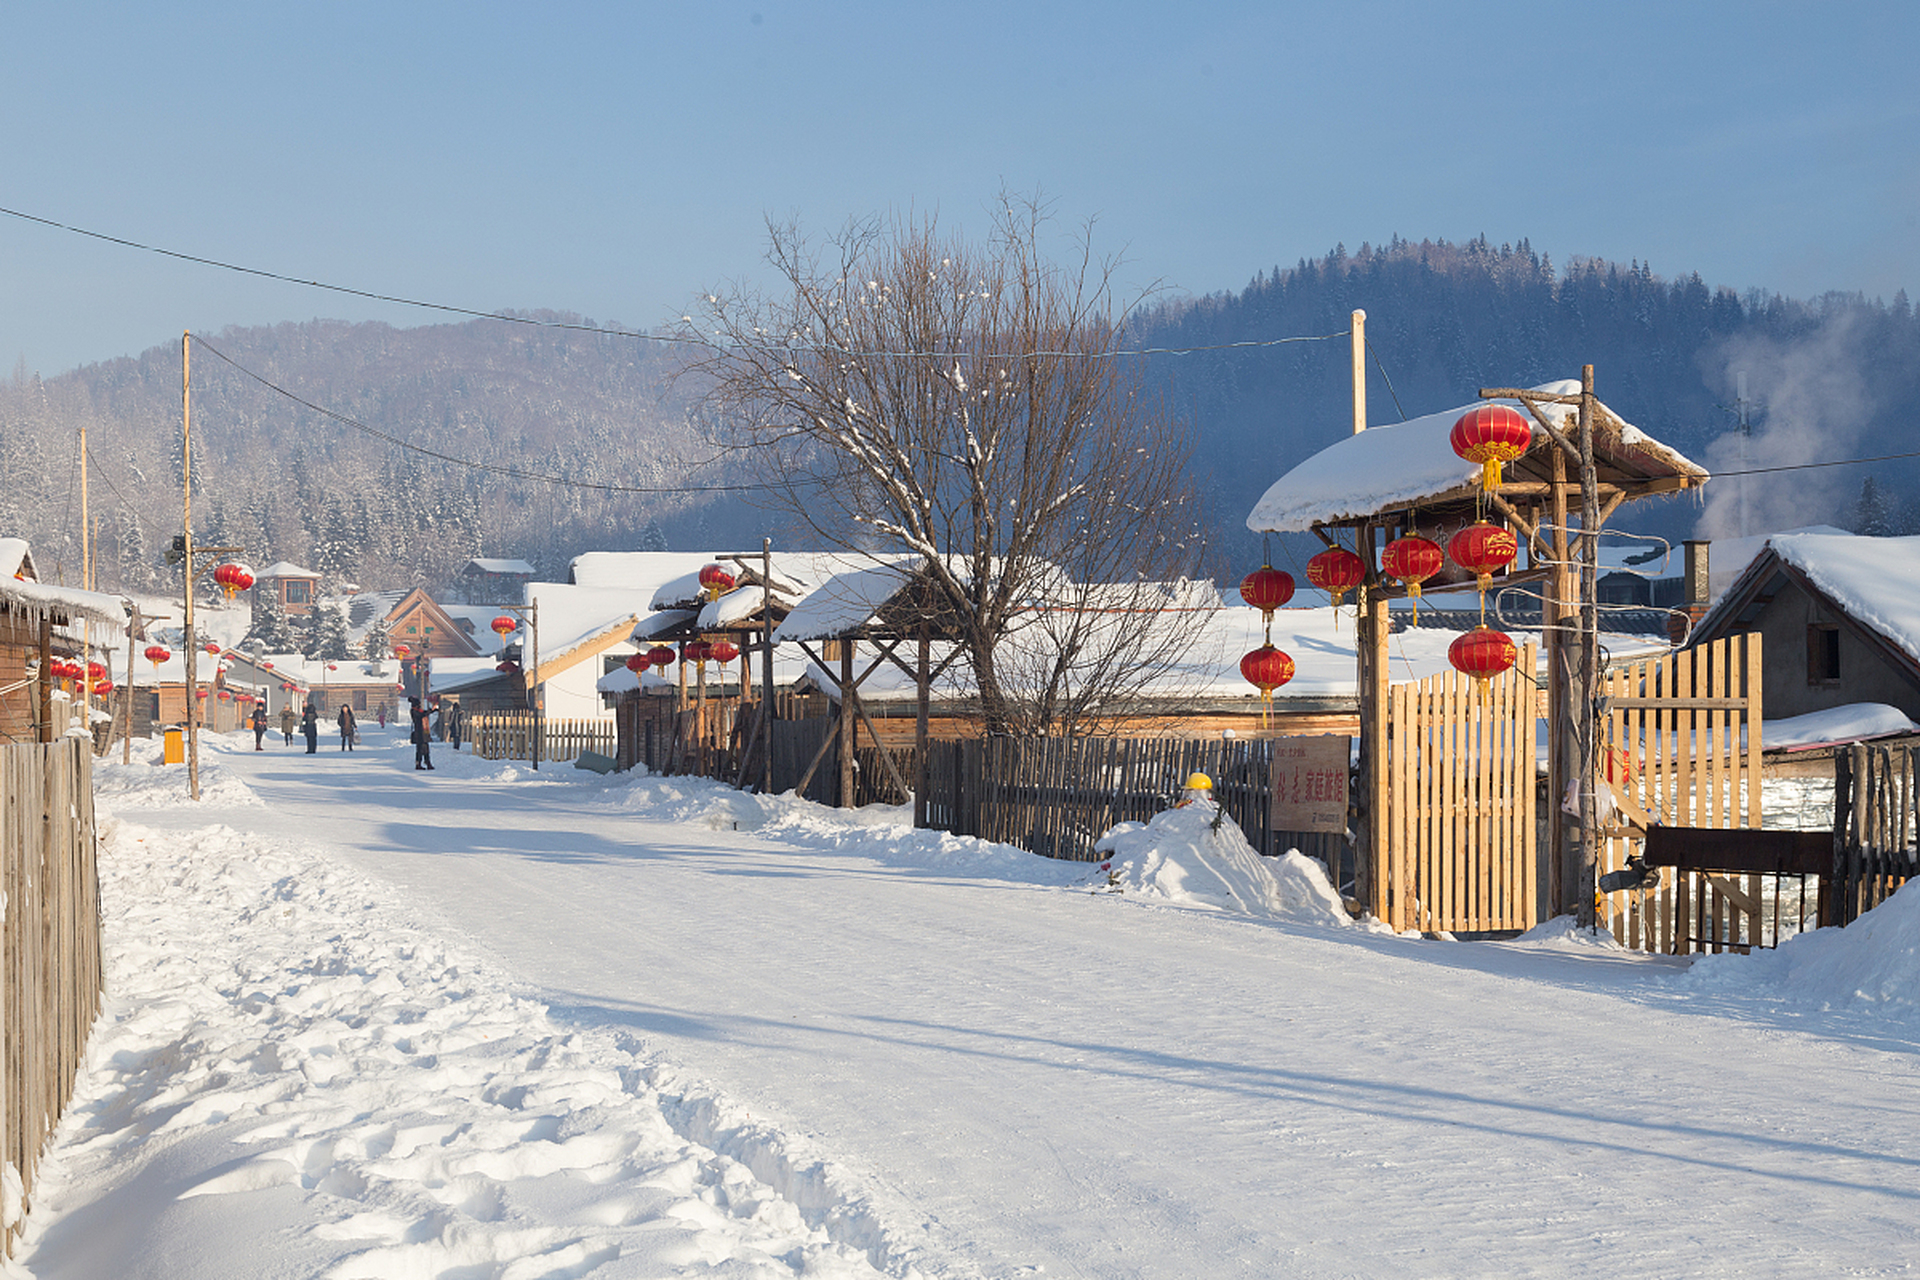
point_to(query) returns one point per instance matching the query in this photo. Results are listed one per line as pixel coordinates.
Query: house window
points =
(1823, 654)
(299, 592)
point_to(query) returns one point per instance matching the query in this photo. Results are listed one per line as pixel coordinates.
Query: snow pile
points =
(1182, 857)
(1563, 933)
(289, 1079)
(1850, 723)
(1872, 966)
(148, 783)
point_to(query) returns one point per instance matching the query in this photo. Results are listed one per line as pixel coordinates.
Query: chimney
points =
(1699, 592)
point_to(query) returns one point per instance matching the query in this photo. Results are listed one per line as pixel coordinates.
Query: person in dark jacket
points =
(421, 758)
(310, 725)
(347, 727)
(259, 723)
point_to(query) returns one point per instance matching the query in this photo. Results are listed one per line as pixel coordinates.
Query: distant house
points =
(295, 588)
(1840, 617)
(37, 624)
(492, 581)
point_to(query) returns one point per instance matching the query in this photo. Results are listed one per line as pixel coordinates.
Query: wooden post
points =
(186, 567)
(847, 731)
(923, 696)
(1552, 625)
(1359, 345)
(766, 667)
(45, 711)
(1589, 669)
(126, 742)
(1374, 843)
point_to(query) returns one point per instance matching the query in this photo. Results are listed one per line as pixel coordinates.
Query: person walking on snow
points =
(421, 758)
(346, 727)
(288, 718)
(259, 720)
(310, 725)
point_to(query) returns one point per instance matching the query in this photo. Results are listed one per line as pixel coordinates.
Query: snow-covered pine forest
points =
(1828, 378)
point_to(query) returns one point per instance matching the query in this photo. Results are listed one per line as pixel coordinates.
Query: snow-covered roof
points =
(450, 675)
(479, 565)
(285, 569)
(846, 602)
(37, 599)
(658, 624)
(15, 558)
(635, 570)
(1876, 581)
(573, 618)
(1390, 468)
(1728, 558)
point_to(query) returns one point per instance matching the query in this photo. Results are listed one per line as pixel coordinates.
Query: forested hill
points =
(1836, 377)
(286, 482)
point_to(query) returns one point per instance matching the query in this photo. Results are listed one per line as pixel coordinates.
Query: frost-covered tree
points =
(1872, 514)
(908, 393)
(271, 626)
(329, 642)
(377, 644)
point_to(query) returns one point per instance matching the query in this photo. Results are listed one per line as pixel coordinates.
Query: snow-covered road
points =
(1014, 1075)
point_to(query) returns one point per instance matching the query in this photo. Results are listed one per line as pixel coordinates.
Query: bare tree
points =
(908, 394)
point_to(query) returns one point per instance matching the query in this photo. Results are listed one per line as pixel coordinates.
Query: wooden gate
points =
(1679, 744)
(1459, 853)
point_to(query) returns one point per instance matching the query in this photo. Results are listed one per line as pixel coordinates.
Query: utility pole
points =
(186, 548)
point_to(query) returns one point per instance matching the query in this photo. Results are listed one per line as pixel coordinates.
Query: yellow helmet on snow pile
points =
(1199, 782)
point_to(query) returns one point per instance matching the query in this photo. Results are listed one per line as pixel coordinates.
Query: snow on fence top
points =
(1392, 468)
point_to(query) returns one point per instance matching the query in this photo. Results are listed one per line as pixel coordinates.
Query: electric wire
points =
(492, 467)
(665, 339)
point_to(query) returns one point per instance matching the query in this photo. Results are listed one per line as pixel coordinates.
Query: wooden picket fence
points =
(1459, 842)
(519, 735)
(1680, 745)
(1876, 798)
(52, 980)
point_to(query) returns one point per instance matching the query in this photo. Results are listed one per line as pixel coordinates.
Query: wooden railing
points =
(1876, 800)
(51, 979)
(520, 735)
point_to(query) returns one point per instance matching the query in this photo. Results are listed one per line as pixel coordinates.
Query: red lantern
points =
(1267, 589)
(226, 695)
(103, 686)
(638, 663)
(1490, 435)
(233, 578)
(1482, 549)
(503, 626)
(401, 651)
(696, 651)
(211, 647)
(96, 672)
(1336, 571)
(199, 693)
(723, 651)
(333, 666)
(158, 653)
(1413, 560)
(715, 581)
(1482, 653)
(507, 668)
(661, 655)
(1266, 669)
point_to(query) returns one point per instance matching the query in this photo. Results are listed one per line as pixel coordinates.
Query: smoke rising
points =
(1813, 406)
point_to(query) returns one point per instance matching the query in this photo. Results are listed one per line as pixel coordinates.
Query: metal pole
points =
(534, 691)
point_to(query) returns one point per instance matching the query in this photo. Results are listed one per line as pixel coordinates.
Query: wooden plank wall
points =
(1459, 852)
(1877, 820)
(50, 969)
(510, 735)
(1681, 739)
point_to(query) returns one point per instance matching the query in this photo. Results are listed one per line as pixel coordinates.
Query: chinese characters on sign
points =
(1310, 783)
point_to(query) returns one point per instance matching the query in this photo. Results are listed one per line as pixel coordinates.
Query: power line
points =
(671, 340)
(495, 468)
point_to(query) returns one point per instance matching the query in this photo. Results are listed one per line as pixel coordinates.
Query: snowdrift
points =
(1872, 966)
(1182, 857)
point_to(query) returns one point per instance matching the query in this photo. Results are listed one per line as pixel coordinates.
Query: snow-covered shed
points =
(37, 623)
(1840, 619)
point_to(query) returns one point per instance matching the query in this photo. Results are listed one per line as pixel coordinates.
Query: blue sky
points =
(616, 159)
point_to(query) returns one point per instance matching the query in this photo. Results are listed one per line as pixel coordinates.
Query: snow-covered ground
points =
(367, 1022)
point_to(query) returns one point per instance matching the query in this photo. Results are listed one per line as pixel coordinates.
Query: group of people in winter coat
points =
(308, 722)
